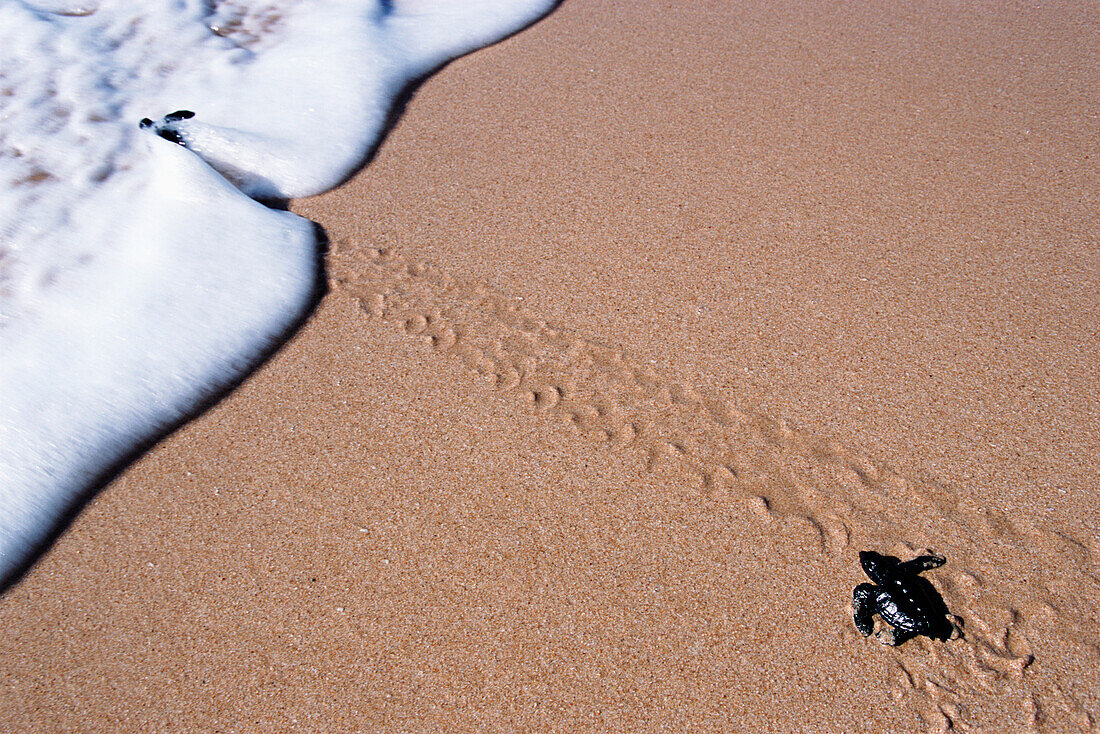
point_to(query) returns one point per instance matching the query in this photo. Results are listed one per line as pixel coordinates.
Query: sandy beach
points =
(641, 325)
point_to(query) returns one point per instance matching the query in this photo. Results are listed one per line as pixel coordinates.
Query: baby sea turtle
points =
(165, 127)
(904, 600)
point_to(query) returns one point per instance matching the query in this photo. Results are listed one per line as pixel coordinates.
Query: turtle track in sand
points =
(1017, 630)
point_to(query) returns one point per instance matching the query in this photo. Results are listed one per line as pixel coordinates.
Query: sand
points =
(641, 325)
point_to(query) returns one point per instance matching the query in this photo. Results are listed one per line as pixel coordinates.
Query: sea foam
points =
(137, 278)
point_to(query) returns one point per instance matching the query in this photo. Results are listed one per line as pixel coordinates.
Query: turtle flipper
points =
(923, 563)
(897, 636)
(865, 602)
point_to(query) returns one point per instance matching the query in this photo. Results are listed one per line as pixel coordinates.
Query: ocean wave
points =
(139, 277)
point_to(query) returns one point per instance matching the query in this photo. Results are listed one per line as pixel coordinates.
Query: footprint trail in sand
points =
(844, 499)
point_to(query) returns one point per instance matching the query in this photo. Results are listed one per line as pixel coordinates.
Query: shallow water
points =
(138, 279)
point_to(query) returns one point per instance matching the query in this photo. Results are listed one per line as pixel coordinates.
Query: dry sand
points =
(642, 324)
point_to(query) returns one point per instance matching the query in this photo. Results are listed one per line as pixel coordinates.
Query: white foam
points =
(136, 281)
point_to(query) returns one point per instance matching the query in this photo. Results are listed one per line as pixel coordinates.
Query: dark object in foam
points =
(162, 128)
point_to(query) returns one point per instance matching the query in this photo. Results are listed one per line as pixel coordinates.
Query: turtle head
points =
(877, 566)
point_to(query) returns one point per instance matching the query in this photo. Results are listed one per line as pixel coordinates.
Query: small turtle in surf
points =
(165, 126)
(904, 600)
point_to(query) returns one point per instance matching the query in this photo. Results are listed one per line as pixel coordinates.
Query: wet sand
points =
(641, 325)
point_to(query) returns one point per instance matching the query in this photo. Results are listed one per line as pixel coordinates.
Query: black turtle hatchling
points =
(165, 126)
(904, 600)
